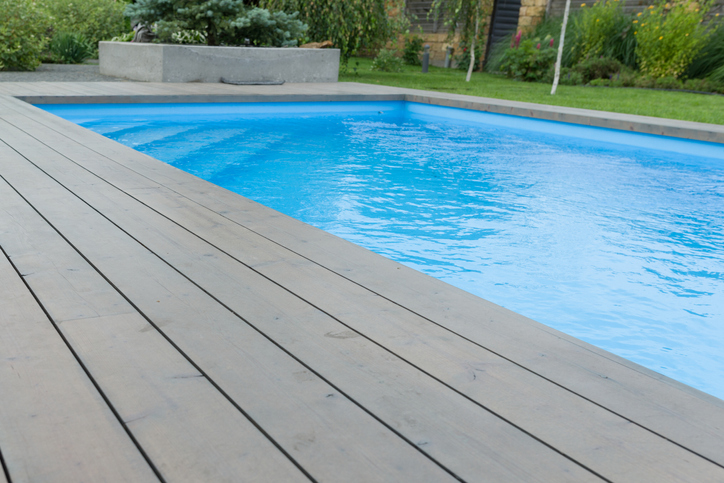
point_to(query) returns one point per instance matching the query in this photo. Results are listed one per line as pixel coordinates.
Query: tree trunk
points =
(211, 39)
(472, 49)
(560, 47)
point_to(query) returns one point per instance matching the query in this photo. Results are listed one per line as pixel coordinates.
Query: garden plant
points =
(657, 103)
(22, 34)
(413, 49)
(70, 47)
(667, 46)
(94, 20)
(217, 22)
(351, 25)
(466, 18)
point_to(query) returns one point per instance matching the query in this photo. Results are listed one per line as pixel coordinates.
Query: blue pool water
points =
(612, 237)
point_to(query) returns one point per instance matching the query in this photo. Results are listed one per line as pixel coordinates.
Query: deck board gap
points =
(149, 320)
(72, 350)
(332, 316)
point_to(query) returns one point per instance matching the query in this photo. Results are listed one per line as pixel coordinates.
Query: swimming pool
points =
(613, 237)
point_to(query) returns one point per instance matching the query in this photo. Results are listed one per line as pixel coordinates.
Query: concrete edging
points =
(194, 63)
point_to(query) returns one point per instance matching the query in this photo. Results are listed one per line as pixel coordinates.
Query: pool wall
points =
(81, 113)
(349, 91)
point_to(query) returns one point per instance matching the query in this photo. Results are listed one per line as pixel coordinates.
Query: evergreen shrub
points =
(210, 17)
(265, 28)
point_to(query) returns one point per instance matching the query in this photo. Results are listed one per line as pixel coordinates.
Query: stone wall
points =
(434, 32)
(556, 7)
(532, 12)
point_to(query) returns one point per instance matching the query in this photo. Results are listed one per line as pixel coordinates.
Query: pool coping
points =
(351, 91)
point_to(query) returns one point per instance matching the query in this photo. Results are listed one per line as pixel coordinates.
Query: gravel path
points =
(60, 73)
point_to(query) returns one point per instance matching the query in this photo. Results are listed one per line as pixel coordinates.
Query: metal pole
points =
(425, 59)
(448, 56)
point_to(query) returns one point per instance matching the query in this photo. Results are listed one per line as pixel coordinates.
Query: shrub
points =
(530, 60)
(668, 82)
(188, 37)
(601, 82)
(96, 20)
(412, 50)
(461, 60)
(603, 30)
(22, 35)
(350, 24)
(127, 37)
(548, 28)
(625, 78)
(264, 28)
(598, 68)
(70, 48)
(645, 81)
(700, 85)
(211, 17)
(669, 37)
(600, 71)
(387, 61)
(570, 77)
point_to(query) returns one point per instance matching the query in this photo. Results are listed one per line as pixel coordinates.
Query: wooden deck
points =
(154, 326)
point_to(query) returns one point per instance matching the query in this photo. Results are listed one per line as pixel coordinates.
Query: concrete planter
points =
(194, 63)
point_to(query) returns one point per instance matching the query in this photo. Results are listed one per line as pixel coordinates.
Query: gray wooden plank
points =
(619, 385)
(187, 428)
(455, 431)
(83, 88)
(54, 425)
(22, 88)
(576, 427)
(322, 429)
(5, 90)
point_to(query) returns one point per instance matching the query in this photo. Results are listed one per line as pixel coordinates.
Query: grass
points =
(646, 102)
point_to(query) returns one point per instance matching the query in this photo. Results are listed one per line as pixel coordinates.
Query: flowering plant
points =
(603, 30)
(669, 36)
(530, 59)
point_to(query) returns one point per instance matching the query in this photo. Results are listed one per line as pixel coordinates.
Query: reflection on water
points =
(622, 247)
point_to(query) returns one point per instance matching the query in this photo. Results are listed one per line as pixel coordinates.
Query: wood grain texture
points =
(684, 414)
(186, 427)
(578, 428)
(54, 425)
(327, 433)
(584, 431)
(271, 269)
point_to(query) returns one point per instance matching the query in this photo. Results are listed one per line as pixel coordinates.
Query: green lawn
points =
(646, 102)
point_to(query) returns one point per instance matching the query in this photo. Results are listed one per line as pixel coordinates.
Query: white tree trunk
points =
(560, 47)
(472, 50)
